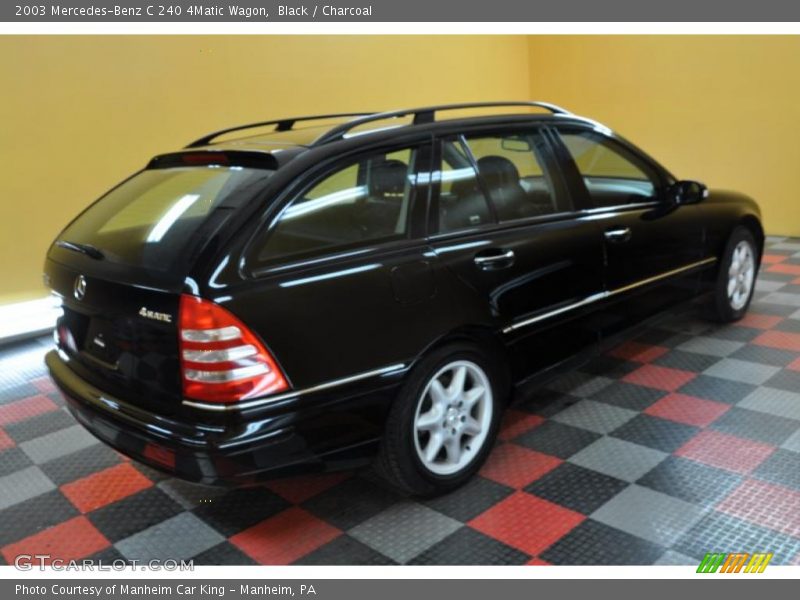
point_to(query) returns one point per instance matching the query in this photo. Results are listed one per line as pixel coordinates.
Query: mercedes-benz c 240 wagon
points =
(346, 289)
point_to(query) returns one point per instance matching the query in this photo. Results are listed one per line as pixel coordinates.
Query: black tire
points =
(398, 461)
(723, 308)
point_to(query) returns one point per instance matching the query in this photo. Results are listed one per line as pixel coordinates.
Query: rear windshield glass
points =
(149, 219)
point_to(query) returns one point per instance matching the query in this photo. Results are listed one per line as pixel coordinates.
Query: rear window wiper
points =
(86, 249)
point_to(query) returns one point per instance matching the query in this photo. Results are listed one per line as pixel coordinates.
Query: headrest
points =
(388, 177)
(498, 171)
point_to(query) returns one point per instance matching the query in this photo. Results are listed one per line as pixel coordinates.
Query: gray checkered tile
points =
(788, 380)
(23, 485)
(765, 355)
(13, 460)
(55, 445)
(649, 514)
(710, 346)
(627, 395)
(755, 425)
(765, 285)
(594, 416)
(580, 384)
(404, 530)
(792, 442)
(618, 458)
(22, 365)
(782, 298)
(785, 246)
(742, 371)
(774, 402)
(675, 559)
(714, 388)
(177, 538)
(781, 467)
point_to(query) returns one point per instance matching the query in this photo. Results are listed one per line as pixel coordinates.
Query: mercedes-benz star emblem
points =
(79, 289)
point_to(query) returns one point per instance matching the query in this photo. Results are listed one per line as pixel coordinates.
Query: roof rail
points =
(425, 115)
(280, 125)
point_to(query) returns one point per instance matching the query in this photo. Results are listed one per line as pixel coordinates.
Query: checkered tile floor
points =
(683, 441)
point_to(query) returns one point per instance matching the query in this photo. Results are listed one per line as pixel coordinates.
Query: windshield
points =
(147, 220)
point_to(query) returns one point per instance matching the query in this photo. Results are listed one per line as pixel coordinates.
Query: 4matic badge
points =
(155, 316)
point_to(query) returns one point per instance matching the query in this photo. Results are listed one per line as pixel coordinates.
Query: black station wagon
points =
(347, 289)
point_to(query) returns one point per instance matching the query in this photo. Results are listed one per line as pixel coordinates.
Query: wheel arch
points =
(753, 224)
(485, 338)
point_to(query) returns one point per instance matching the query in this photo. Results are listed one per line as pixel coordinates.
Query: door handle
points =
(494, 259)
(618, 235)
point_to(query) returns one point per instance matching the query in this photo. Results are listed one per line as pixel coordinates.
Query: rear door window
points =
(149, 219)
(462, 203)
(512, 169)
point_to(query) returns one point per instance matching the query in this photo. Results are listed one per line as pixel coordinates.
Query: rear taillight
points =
(221, 359)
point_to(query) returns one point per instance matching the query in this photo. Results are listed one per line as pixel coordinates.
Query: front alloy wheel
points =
(737, 276)
(453, 417)
(741, 275)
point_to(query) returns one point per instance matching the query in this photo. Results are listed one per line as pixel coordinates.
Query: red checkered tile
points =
(757, 321)
(660, 378)
(637, 352)
(105, 487)
(779, 339)
(300, 489)
(5, 441)
(70, 540)
(44, 384)
(284, 538)
(796, 281)
(25, 409)
(516, 466)
(794, 365)
(784, 268)
(517, 422)
(538, 562)
(725, 451)
(765, 504)
(771, 259)
(526, 522)
(687, 409)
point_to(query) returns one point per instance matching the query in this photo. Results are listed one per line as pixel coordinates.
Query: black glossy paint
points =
(338, 315)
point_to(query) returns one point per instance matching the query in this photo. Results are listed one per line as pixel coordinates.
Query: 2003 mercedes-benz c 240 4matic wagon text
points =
(359, 287)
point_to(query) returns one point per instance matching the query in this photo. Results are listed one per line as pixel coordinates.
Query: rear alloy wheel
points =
(453, 417)
(442, 425)
(737, 276)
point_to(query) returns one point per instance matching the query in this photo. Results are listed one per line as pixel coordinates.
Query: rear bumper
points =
(333, 429)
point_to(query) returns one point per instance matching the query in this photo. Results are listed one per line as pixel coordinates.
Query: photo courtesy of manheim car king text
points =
(399, 300)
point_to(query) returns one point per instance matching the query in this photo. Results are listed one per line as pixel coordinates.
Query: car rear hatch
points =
(121, 266)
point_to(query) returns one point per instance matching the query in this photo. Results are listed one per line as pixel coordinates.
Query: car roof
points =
(285, 139)
(316, 130)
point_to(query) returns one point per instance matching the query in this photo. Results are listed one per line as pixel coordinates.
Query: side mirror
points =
(687, 192)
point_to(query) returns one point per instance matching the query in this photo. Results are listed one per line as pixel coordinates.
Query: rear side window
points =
(150, 218)
(363, 202)
(512, 169)
(612, 175)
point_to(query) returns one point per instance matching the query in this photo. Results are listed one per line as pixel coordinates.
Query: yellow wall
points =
(721, 109)
(81, 113)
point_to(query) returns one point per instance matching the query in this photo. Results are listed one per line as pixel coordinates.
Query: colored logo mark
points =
(734, 562)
